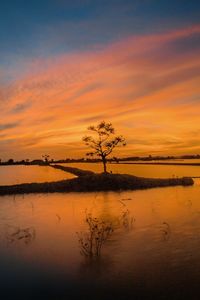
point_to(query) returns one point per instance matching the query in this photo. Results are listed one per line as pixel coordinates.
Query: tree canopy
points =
(105, 141)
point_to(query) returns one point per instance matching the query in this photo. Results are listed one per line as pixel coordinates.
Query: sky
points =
(65, 65)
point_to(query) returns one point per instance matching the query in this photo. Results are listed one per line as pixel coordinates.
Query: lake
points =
(152, 253)
(17, 174)
(151, 171)
(175, 160)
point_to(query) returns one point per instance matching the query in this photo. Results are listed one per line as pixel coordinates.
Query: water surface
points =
(18, 174)
(158, 256)
(151, 171)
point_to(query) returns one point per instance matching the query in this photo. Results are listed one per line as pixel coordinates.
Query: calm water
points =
(158, 252)
(161, 171)
(185, 161)
(26, 174)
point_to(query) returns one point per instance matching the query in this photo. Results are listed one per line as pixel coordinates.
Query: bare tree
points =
(46, 158)
(105, 142)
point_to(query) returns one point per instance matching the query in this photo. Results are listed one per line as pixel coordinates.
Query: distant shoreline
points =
(112, 163)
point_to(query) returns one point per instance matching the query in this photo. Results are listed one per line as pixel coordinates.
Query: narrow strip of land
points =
(95, 182)
(75, 171)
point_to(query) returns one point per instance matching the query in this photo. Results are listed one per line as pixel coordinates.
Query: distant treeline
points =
(93, 160)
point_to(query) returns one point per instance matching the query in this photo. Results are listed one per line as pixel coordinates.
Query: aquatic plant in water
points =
(166, 231)
(15, 234)
(91, 242)
(126, 220)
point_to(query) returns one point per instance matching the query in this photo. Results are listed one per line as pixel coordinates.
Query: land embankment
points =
(75, 171)
(95, 182)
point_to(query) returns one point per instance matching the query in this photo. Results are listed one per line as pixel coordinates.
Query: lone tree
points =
(105, 142)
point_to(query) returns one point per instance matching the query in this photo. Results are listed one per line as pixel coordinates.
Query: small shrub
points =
(91, 242)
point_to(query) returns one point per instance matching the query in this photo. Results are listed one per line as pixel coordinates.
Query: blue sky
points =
(39, 28)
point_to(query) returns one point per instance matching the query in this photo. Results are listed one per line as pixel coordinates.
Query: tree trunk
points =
(104, 164)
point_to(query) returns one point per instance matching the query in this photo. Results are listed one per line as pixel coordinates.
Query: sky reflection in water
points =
(161, 248)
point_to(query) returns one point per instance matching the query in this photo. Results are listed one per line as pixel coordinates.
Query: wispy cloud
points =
(147, 85)
(6, 126)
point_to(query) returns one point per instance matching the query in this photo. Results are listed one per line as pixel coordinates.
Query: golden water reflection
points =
(166, 222)
(18, 174)
(151, 171)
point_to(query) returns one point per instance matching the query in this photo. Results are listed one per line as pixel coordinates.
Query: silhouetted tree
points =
(10, 161)
(105, 142)
(46, 158)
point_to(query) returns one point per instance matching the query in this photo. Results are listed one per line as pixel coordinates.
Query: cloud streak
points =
(147, 86)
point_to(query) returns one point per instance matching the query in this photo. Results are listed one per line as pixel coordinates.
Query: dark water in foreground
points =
(154, 254)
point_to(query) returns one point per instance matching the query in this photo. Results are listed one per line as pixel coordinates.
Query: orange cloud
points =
(147, 86)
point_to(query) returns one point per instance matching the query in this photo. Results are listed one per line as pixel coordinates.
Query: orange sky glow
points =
(143, 84)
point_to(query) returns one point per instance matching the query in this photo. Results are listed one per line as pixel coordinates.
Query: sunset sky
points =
(65, 65)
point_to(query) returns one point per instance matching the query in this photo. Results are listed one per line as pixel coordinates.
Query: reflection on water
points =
(151, 171)
(154, 246)
(26, 174)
